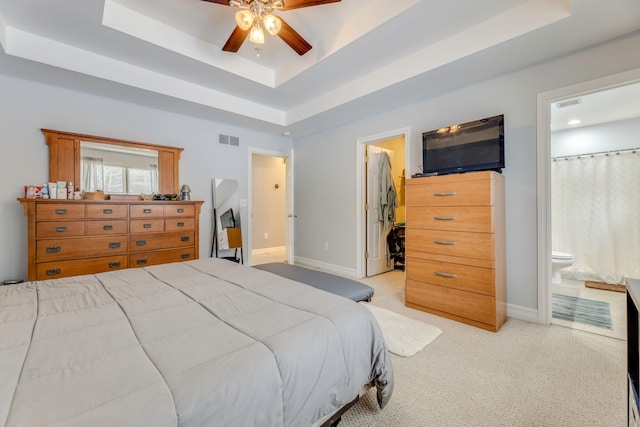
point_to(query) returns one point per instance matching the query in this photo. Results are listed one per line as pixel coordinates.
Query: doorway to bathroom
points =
(593, 172)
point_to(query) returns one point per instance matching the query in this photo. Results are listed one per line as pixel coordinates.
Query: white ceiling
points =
(367, 57)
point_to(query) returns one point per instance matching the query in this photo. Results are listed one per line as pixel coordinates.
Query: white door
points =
(290, 212)
(378, 260)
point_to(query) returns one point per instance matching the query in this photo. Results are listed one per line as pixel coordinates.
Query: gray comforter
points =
(201, 343)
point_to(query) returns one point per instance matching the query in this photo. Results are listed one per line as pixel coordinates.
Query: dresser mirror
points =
(67, 149)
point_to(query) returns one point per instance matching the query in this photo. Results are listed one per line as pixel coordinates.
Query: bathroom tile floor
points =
(617, 303)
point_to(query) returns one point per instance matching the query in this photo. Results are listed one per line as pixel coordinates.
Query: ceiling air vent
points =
(569, 102)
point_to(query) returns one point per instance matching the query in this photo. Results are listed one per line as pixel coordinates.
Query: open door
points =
(290, 212)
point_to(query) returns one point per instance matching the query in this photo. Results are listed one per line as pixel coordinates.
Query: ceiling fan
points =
(255, 16)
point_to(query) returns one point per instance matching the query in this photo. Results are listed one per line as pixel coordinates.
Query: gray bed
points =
(201, 343)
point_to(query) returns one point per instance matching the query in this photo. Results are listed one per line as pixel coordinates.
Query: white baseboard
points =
(522, 313)
(267, 250)
(329, 268)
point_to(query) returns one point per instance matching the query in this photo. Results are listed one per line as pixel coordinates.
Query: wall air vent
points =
(234, 140)
(223, 139)
(569, 102)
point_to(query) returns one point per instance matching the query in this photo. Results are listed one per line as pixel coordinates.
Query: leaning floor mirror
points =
(227, 233)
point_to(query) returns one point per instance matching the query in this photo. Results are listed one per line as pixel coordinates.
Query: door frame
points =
(361, 193)
(543, 153)
(289, 202)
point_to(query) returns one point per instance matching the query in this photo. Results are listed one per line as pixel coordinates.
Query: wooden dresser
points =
(455, 247)
(74, 237)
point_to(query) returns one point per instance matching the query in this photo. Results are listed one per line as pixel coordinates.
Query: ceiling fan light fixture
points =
(244, 19)
(272, 24)
(256, 35)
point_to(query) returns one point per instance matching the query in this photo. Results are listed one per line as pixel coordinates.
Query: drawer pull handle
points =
(449, 193)
(114, 264)
(53, 272)
(441, 242)
(53, 249)
(185, 238)
(146, 225)
(184, 256)
(114, 245)
(181, 224)
(141, 242)
(107, 227)
(444, 218)
(450, 276)
(61, 211)
(180, 210)
(107, 211)
(61, 229)
(142, 261)
(146, 211)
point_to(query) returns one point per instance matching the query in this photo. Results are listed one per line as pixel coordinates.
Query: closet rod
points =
(577, 156)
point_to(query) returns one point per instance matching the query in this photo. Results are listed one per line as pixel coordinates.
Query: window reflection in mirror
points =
(116, 169)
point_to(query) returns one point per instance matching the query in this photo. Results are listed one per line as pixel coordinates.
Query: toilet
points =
(559, 260)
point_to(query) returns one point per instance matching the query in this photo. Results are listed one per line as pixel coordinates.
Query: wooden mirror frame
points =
(64, 158)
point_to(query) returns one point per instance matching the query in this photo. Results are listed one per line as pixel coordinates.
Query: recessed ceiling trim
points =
(135, 24)
(40, 49)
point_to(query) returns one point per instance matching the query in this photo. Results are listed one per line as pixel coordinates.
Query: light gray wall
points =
(326, 162)
(26, 107)
(618, 135)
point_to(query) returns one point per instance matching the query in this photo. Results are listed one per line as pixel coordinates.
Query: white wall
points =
(26, 107)
(325, 162)
(618, 135)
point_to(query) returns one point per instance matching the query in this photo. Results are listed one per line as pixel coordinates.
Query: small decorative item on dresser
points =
(185, 192)
(95, 195)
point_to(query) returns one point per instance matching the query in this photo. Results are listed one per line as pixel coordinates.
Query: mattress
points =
(347, 288)
(201, 343)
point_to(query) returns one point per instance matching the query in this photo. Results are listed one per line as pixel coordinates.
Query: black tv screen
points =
(472, 146)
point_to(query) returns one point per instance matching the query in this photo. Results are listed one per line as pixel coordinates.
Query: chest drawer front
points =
(146, 225)
(105, 211)
(458, 276)
(179, 210)
(59, 249)
(54, 230)
(96, 228)
(479, 308)
(438, 191)
(146, 211)
(58, 269)
(453, 243)
(153, 241)
(59, 211)
(144, 259)
(473, 219)
(177, 224)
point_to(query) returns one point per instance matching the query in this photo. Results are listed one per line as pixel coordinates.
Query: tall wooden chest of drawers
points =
(455, 247)
(74, 237)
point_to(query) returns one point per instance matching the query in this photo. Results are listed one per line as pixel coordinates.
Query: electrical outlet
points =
(266, 236)
(326, 246)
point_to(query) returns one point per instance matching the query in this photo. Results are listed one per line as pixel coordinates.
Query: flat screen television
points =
(472, 146)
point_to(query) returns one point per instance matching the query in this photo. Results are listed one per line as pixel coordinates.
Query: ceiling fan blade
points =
(237, 37)
(293, 39)
(297, 4)
(224, 2)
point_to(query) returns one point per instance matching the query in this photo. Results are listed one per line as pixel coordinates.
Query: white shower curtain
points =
(596, 215)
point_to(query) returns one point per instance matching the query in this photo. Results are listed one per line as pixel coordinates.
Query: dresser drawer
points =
(457, 303)
(177, 224)
(452, 243)
(449, 191)
(57, 269)
(83, 247)
(146, 225)
(474, 219)
(458, 276)
(179, 209)
(152, 241)
(59, 211)
(144, 259)
(106, 227)
(146, 211)
(53, 230)
(105, 211)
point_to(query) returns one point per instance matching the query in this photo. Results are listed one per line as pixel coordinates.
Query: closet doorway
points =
(374, 255)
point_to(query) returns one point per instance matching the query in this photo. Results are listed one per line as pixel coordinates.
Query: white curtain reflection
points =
(92, 174)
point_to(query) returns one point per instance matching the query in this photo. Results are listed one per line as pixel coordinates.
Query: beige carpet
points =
(524, 375)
